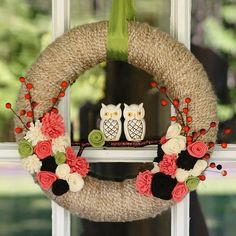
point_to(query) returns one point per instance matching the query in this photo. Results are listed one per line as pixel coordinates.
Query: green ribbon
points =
(117, 41)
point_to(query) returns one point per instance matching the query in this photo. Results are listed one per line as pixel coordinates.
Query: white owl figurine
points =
(110, 123)
(134, 124)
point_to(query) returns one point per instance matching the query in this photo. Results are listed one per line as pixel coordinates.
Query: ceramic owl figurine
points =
(134, 125)
(110, 123)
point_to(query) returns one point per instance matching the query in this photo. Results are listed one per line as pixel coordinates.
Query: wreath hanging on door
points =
(183, 153)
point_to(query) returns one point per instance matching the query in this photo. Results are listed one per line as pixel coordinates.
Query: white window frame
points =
(180, 29)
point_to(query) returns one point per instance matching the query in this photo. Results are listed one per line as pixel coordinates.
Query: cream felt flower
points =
(174, 145)
(62, 171)
(60, 144)
(182, 175)
(198, 168)
(173, 131)
(75, 181)
(35, 135)
(32, 164)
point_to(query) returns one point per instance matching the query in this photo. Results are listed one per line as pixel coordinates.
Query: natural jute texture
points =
(149, 49)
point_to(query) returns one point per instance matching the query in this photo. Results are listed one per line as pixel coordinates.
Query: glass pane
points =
(24, 32)
(113, 83)
(217, 198)
(24, 208)
(213, 43)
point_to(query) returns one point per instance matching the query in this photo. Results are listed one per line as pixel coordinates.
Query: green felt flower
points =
(60, 158)
(25, 148)
(192, 183)
(96, 138)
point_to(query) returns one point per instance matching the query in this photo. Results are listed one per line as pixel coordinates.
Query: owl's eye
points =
(130, 114)
(106, 114)
(115, 113)
(139, 113)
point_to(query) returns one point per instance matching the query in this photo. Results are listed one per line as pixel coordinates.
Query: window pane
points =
(24, 208)
(24, 32)
(113, 83)
(217, 197)
(213, 43)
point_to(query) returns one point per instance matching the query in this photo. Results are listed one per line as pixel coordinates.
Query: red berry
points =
(164, 102)
(29, 86)
(176, 102)
(22, 112)
(27, 96)
(211, 145)
(53, 100)
(186, 128)
(213, 165)
(29, 113)
(162, 89)
(61, 94)
(34, 104)
(189, 142)
(227, 130)
(28, 124)
(224, 173)
(185, 110)
(64, 84)
(202, 131)
(206, 156)
(22, 79)
(224, 145)
(153, 84)
(202, 177)
(55, 110)
(173, 118)
(8, 105)
(194, 134)
(213, 124)
(189, 119)
(18, 130)
(187, 100)
(189, 138)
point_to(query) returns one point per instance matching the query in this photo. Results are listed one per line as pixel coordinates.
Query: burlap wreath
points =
(149, 49)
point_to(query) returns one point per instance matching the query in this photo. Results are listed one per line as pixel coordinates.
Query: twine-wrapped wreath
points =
(148, 49)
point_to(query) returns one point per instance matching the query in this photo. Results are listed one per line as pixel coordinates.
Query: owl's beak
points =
(111, 115)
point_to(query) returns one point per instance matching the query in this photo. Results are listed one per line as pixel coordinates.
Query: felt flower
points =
(60, 144)
(192, 183)
(155, 168)
(163, 140)
(173, 131)
(59, 187)
(96, 138)
(46, 179)
(143, 183)
(197, 149)
(181, 175)
(174, 145)
(80, 165)
(70, 155)
(32, 164)
(43, 149)
(35, 134)
(198, 168)
(75, 181)
(52, 125)
(62, 171)
(25, 148)
(168, 164)
(179, 192)
(60, 158)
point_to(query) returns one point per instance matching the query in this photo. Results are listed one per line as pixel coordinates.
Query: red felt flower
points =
(43, 149)
(70, 155)
(143, 183)
(197, 149)
(46, 179)
(168, 164)
(179, 192)
(79, 165)
(53, 125)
